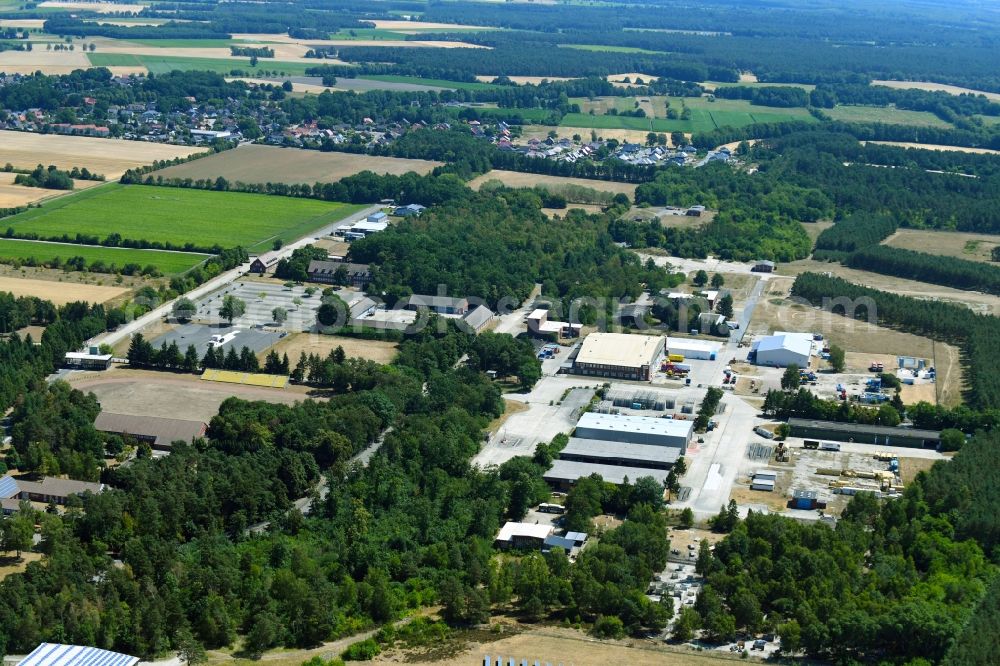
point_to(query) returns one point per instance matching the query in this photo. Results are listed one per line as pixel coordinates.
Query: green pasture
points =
(169, 263)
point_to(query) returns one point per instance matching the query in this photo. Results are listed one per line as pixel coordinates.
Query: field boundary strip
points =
(248, 378)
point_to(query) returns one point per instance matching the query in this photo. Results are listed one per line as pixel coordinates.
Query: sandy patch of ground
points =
(748, 77)
(8, 565)
(48, 62)
(943, 87)
(774, 312)
(110, 157)
(60, 293)
(22, 23)
(935, 146)
(167, 395)
(12, 195)
(964, 245)
(518, 179)
(98, 7)
(379, 351)
(523, 80)
(333, 247)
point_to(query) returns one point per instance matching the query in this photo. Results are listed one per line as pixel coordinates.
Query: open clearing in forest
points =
(12, 196)
(169, 263)
(884, 114)
(11, 565)
(380, 351)
(774, 312)
(151, 393)
(108, 157)
(936, 146)
(60, 293)
(926, 85)
(260, 164)
(518, 179)
(960, 244)
(178, 216)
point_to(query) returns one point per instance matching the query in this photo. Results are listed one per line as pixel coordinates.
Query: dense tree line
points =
(777, 96)
(572, 257)
(942, 104)
(924, 267)
(851, 234)
(759, 216)
(976, 334)
(72, 26)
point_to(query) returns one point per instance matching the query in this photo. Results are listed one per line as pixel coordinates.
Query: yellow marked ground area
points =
(249, 378)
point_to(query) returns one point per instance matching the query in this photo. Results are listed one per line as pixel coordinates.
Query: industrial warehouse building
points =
(782, 350)
(55, 654)
(620, 356)
(625, 454)
(865, 434)
(701, 350)
(46, 490)
(565, 473)
(635, 430)
(541, 326)
(159, 432)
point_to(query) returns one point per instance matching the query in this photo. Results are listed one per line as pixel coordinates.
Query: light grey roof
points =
(163, 430)
(567, 470)
(478, 317)
(635, 424)
(56, 654)
(8, 487)
(599, 448)
(50, 485)
(419, 300)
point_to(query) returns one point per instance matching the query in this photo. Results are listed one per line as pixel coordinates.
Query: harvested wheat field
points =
(22, 23)
(258, 164)
(12, 195)
(297, 87)
(60, 293)
(109, 157)
(518, 179)
(620, 135)
(412, 27)
(935, 146)
(926, 85)
(47, 62)
(98, 7)
(379, 351)
(282, 52)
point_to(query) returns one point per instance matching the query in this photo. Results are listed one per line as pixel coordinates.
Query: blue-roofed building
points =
(57, 654)
(557, 542)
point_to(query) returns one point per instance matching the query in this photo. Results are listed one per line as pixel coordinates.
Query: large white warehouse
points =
(783, 349)
(634, 429)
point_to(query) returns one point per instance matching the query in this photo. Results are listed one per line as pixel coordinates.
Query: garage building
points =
(701, 350)
(620, 356)
(782, 350)
(865, 434)
(635, 429)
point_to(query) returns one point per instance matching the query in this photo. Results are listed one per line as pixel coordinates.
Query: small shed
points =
(804, 499)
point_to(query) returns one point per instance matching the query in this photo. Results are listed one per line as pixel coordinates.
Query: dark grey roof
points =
(599, 448)
(317, 266)
(860, 428)
(478, 317)
(418, 300)
(163, 430)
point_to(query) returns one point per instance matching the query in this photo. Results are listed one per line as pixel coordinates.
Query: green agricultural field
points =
(179, 216)
(169, 263)
(166, 64)
(605, 122)
(885, 114)
(440, 83)
(608, 49)
(368, 34)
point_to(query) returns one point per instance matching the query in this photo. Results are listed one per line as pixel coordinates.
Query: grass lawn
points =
(440, 83)
(608, 49)
(605, 122)
(368, 34)
(885, 114)
(180, 216)
(169, 263)
(166, 64)
(531, 115)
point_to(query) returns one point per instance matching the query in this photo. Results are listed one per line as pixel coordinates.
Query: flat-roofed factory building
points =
(635, 429)
(620, 356)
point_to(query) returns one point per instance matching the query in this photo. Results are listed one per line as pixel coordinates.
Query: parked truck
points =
(829, 446)
(810, 443)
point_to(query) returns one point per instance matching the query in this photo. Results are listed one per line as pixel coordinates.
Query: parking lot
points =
(256, 328)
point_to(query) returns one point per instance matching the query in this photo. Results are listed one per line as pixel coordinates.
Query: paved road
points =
(114, 337)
